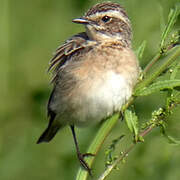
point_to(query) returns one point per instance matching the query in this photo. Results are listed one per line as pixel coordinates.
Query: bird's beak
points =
(81, 20)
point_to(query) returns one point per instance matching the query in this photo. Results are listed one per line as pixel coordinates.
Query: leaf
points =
(170, 139)
(162, 19)
(175, 71)
(109, 152)
(160, 85)
(173, 14)
(132, 122)
(140, 50)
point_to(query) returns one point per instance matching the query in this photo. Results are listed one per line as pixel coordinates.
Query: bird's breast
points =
(101, 98)
(94, 86)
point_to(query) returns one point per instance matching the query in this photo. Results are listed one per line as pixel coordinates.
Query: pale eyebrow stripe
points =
(111, 13)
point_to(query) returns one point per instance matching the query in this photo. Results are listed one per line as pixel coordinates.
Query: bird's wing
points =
(62, 55)
(65, 51)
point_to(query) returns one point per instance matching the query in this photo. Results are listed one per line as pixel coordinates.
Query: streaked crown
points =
(105, 7)
(107, 20)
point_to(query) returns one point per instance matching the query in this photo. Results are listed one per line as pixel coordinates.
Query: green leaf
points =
(160, 85)
(170, 139)
(139, 52)
(132, 122)
(175, 71)
(162, 19)
(173, 14)
(109, 152)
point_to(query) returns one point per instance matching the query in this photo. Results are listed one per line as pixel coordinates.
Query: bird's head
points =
(107, 21)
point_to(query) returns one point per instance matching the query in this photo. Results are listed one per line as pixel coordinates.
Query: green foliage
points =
(157, 86)
(31, 31)
(132, 122)
(170, 139)
(110, 157)
(140, 50)
(172, 18)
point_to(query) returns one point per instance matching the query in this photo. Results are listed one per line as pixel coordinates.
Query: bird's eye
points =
(106, 18)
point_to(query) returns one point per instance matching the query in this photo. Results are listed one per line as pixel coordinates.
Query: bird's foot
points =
(84, 163)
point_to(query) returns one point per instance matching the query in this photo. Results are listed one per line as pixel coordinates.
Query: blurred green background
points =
(30, 31)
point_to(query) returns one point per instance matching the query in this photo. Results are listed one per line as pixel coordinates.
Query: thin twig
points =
(156, 58)
(152, 62)
(124, 155)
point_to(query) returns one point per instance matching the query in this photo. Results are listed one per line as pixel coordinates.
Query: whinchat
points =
(94, 72)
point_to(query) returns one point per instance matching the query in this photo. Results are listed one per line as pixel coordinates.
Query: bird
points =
(94, 73)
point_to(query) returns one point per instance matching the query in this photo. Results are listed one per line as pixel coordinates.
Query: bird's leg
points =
(79, 154)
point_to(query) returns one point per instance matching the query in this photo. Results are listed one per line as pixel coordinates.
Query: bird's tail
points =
(49, 133)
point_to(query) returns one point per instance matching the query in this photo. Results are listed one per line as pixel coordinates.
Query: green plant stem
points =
(152, 62)
(124, 155)
(96, 144)
(155, 59)
(171, 56)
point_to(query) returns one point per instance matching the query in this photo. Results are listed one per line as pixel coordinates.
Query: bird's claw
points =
(83, 162)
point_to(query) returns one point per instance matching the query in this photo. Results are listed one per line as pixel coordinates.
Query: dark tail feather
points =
(48, 134)
(52, 128)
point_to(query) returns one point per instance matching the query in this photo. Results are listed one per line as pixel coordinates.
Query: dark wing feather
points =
(62, 53)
